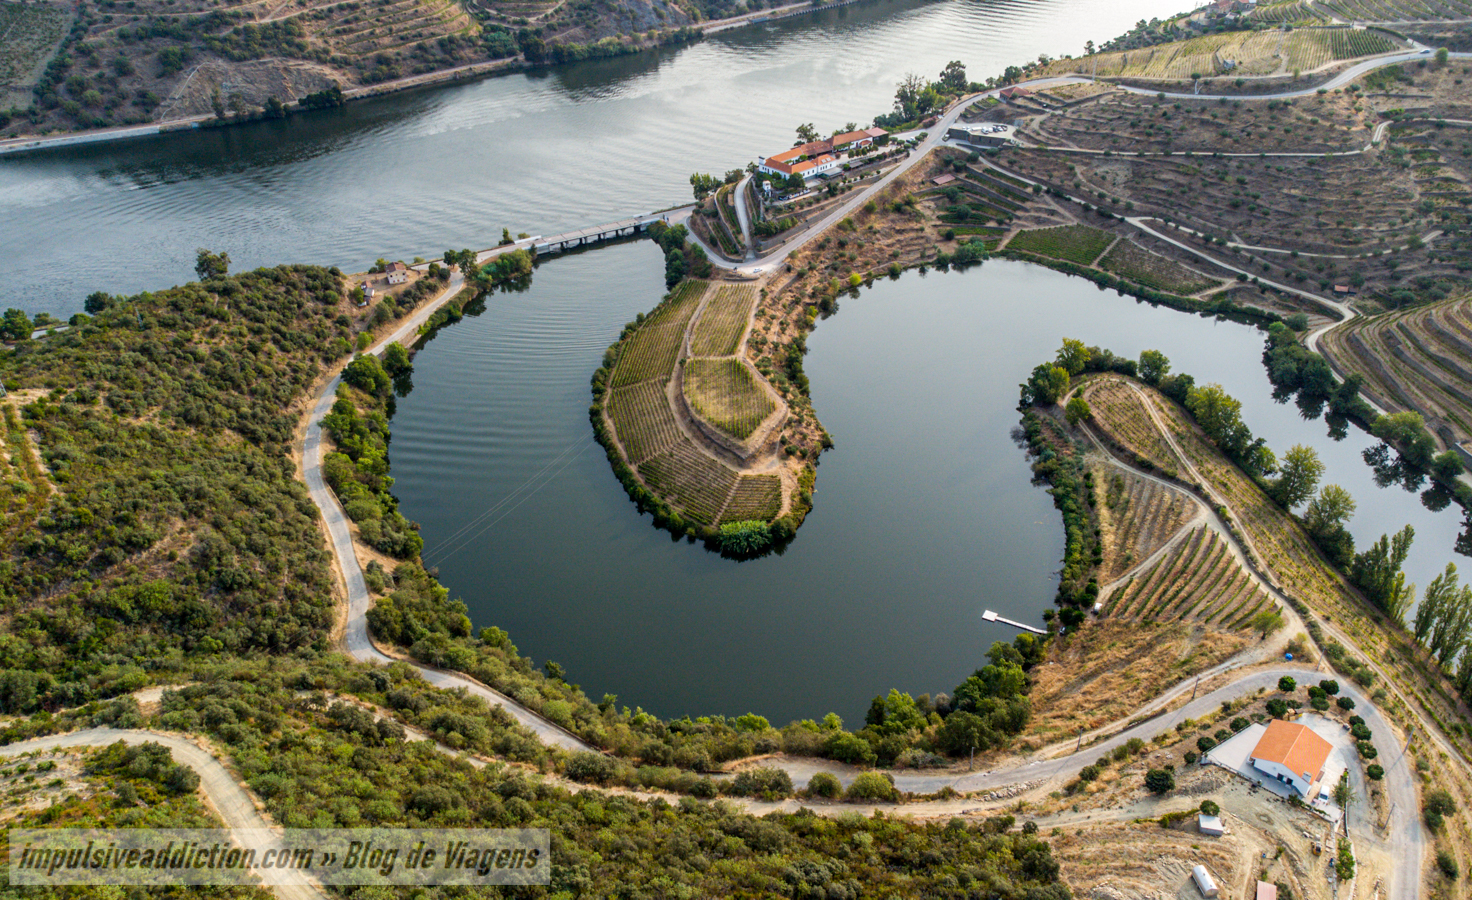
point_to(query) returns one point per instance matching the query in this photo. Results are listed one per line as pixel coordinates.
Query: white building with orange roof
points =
(1293, 754)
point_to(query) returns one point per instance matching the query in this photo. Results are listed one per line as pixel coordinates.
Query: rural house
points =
(1292, 754)
(816, 157)
(398, 273)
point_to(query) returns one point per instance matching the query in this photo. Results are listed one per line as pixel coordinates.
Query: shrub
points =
(768, 783)
(1277, 708)
(824, 784)
(1204, 743)
(1447, 864)
(1344, 702)
(1160, 781)
(871, 786)
(589, 766)
(1367, 750)
(1374, 772)
(1210, 808)
(1191, 756)
(1287, 685)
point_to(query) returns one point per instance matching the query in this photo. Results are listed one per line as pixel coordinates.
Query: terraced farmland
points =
(1199, 580)
(27, 35)
(690, 480)
(1137, 517)
(721, 324)
(1080, 244)
(757, 498)
(1417, 359)
(1122, 417)
(653, 350)
(1238, 53)
(1396, 10)
(725, 393)
(643, 420)
(1129, 260)
(1292, 12)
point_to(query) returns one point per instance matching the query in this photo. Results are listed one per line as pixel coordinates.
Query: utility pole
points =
(1195, 687)
(971, 766)
(1080, 739)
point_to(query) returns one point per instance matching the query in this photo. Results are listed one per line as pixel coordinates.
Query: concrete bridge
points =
(596, 233)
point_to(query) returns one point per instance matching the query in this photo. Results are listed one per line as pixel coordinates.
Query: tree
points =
(1298, 476)
(1220, 415)
(396, 359)
(895, 714)
(806, 134)
(1267, 622)
(1077, 410)
(1046, 384)
(1329, 511)
(1441, 57)
(1153, 366)
(1160, 781)
(97, 301)
(1406, 432)
(1210, 808)
(16, 325)
(366, 374)
(1377, 572)
(209, 265)
(1287, 685)
(1446, 467)
(506, 237)
(1073, 356)
(702, 185)
(953, 76)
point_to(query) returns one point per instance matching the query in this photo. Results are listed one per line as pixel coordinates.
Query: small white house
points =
(1204, 882)
(1292, 754)
(1210, 825)
(398, 273)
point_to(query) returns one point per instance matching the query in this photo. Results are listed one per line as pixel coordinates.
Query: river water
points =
(539, 152)
(925, 514)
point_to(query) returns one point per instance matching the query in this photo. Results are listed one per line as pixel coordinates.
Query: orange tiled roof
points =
(1293, 746)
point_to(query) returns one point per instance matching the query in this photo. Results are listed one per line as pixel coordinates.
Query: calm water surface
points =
(541, 152)
(925, 515)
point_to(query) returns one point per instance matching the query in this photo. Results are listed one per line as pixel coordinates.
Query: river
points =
(540, 152)
(925, 514)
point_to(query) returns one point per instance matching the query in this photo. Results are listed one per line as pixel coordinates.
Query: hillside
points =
(101, 63)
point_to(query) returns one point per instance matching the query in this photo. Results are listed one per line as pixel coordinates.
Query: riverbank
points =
(470, 71)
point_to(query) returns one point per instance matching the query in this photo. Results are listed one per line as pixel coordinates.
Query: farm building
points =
(817, 157)
(992, 135)
(1266, 891)
(1210, 825)
(1292, 754)
(1204, 882)
(398, 273)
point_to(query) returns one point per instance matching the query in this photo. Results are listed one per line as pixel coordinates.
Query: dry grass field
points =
(1136, 518)
(29, 34)
(1129, 260)
(1235, 53)
(24, 488)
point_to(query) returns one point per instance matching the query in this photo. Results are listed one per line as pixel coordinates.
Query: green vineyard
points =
(721, 324)
(643, 420)
(24, 489)
(1072, 243)
(690, 480)
(725, 393)
(653, 350)
(1199, 580)
(756, 498)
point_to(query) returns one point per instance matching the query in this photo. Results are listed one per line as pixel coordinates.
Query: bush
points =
(1210, 808)
(1344, 702)
(1367, 750)
(1160, 781)
(1287, 685)
(1277, 708)
(589, 766)
(1374, 772)
(767, 782)
(824, 784)
(871, 786)
(1447, 864)
(1204, 743)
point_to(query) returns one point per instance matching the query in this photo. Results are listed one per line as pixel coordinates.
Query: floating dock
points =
(991, 616)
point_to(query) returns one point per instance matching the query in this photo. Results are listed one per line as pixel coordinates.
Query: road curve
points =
(356, 640)
(236, 808)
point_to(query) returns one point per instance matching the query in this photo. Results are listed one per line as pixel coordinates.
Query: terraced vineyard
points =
(643, 420)
(1123, 419)
(1137, 517)
(653, 350)
(721, 324)
(27, 35)
(1396, 10)
(1237, 53)
(694, 482)
(1292, 12)
(1072, 243)
(756, 498)
(725, 393)
(24, 489)
(1129, 260)
(1417, 359)
(1199, 580)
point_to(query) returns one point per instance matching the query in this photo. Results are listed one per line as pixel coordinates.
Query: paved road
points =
(236, 808)
(356, 640)
(743, 216)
